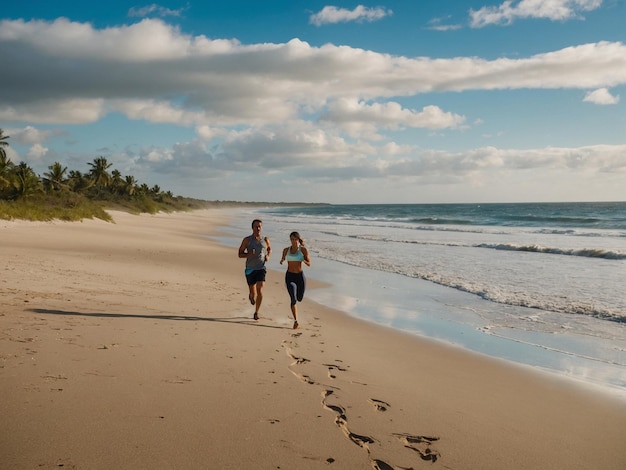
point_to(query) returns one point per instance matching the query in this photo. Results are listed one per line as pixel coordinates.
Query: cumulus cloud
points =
(36, 152)
(601, 96)
(64, 72)
(157, 111)
(313, 153)
(510, 10)
(148, 40)
(208, 133)
(29, 135)
(332, 14)
(360, 118)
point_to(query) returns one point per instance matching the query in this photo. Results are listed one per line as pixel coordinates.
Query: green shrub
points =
(56, 205)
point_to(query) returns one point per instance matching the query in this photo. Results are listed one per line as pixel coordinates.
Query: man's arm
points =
(268, 251)
(243, 248)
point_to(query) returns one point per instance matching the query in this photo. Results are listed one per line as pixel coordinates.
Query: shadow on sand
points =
(238, 320)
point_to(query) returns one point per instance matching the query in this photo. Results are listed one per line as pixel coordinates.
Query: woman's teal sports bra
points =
(297, 256)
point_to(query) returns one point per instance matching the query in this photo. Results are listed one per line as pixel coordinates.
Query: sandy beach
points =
(131, 345)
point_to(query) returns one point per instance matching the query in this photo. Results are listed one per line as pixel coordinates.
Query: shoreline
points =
(586, 351)
(137, 337)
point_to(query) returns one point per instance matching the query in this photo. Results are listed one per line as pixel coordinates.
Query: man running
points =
(256, 250)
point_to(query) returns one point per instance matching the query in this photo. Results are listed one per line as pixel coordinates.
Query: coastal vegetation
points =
(74, 195)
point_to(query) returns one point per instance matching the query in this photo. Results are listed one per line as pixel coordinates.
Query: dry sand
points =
(131, 346)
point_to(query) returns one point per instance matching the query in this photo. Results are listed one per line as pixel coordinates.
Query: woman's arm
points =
(305, 254)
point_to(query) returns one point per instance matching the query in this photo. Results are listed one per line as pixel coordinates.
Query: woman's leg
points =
(301, 286)
(291, 282)
(292, 287)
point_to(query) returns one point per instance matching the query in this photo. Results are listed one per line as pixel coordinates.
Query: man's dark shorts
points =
(256, 276)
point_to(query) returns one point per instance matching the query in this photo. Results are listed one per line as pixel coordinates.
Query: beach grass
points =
(71, 207)
(47, 207)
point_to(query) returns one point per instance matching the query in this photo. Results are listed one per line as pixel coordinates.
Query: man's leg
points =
(259, 296)
(252, 295)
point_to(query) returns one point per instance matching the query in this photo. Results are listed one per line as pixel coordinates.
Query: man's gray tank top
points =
(260, 250)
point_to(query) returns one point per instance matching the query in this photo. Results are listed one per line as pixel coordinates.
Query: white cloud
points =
(145, 41)
(208, 133)
(360, 118)
(310, 160)
(36, 152)
(154, 9)
(437, 24)
(28, 135)
(158, 155)
(445, 27)
(71, 73)
(510, 10)
(601, 96)
(310, 152)
(12, 154)
(157, 112)
(332, 14)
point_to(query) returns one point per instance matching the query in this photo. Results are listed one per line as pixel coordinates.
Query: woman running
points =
(296, 254)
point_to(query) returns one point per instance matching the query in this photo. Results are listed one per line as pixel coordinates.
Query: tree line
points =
(18, 181)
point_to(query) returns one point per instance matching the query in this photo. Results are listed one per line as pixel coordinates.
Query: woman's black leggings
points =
(296, 283)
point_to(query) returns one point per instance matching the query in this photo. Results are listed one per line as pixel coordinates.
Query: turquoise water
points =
(557, 216)
(568, 258)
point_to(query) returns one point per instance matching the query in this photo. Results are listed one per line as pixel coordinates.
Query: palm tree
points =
(3, 143)
(25, 181)
(130, 185)
(117, 182)
(6, 168)
(78, 182)
(6, 165)
(55, 178)
(99, 172)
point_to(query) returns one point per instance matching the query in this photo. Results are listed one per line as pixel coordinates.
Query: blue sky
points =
(342, 102)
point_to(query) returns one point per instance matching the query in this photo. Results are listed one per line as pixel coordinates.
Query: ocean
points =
(539, 284)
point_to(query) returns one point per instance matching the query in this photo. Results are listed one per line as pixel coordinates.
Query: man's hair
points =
(255, 221)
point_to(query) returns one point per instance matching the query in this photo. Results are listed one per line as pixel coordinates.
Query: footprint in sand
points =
(332, 368)
(341, 420)
(298, 361)
(380, 465)
(421, 445)
(379, 405)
